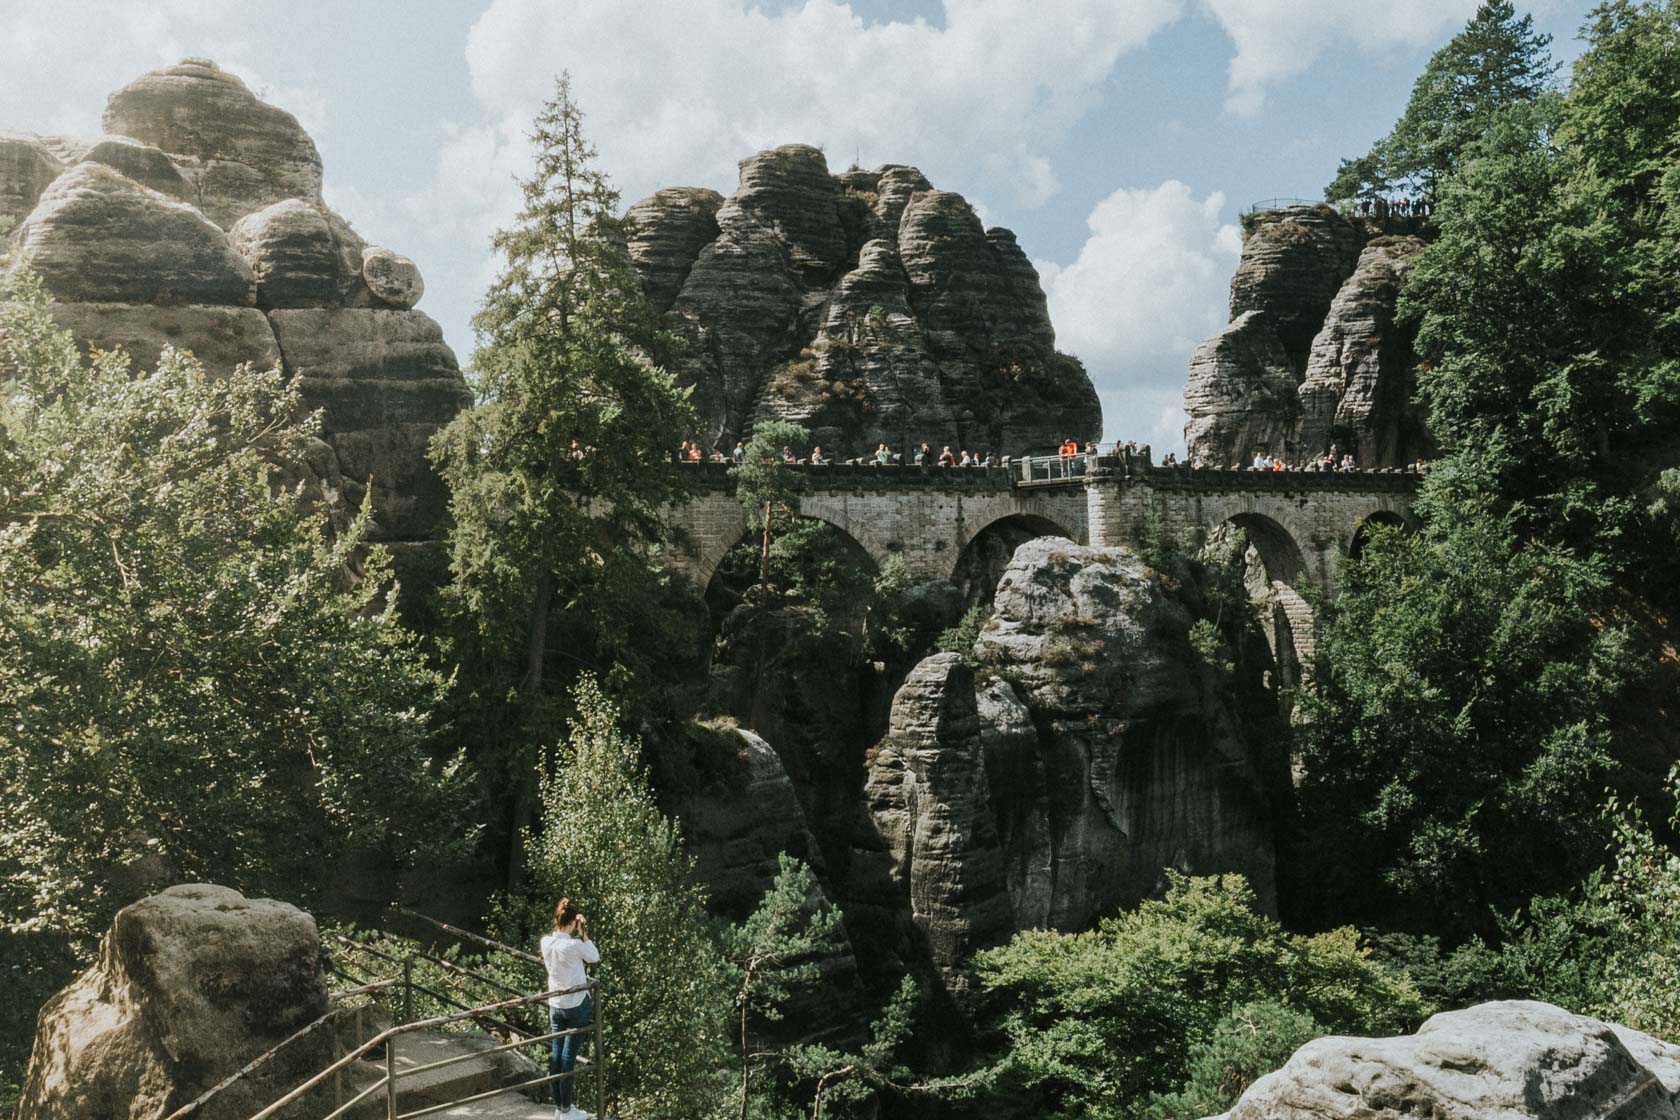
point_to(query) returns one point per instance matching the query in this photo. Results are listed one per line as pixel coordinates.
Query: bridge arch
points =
(1362, 529)
(988, 550)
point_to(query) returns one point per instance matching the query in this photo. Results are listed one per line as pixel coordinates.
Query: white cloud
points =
(1149, 283)
(976, 102)
(1280, 39)
(60, 58)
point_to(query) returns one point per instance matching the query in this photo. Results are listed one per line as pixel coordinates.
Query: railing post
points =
(408, 990)
(391, 1078)
(338, 1075)
(600, 1060)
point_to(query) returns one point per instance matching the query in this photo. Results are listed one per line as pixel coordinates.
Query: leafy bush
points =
(1096, 1022)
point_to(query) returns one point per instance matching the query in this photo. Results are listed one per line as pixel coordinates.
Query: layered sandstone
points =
(1094, 749)
(1314, 355)
(198, 224)
(866, 306)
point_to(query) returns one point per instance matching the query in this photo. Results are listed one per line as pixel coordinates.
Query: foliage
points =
(850, 1078)
(1611, 948)
(960, 638)
(560, 472)
(1252, 1040)
(1497, 61)
(768, 487)
(777, 951)
(192, 687)
(605, 845)
(1096, 1022)
(361, 956)
(1457, 713)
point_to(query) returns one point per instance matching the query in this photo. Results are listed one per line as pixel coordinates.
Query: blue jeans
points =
(563, 1052)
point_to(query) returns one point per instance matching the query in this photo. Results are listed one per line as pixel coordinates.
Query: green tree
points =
(559, 475)
(777, 951)
(1252, 1040)
(191, 686)
(1095, 1022)
(665, 983)
(1497, 61)
(1458, 710)
(767, 487)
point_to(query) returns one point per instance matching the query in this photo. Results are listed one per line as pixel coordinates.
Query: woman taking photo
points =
(565, 951)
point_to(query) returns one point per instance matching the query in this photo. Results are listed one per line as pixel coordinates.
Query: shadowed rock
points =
(27, 166)
(667, 231)
(146, 165)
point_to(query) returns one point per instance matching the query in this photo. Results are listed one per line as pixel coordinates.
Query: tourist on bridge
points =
(788, 456)
(817, 459)
(740, 453)
(946, 459)
(682, 452)
(883, 455)
(924, 454)
(565, 951)
(1068, 452)
(694, 452)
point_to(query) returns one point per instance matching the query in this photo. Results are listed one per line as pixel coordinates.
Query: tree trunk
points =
(537, 642)
(764, 555)
(746, 1057)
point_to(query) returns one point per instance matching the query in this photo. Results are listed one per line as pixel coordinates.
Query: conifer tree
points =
(1497, 61)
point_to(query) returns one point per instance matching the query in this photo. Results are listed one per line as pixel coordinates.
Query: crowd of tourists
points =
(1069, 460)
(1404, 206)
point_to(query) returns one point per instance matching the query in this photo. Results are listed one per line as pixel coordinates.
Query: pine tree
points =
(605, 845)
(1497, 61)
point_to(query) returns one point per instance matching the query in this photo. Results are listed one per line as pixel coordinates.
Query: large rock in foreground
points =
(1512, 1060)
(190, 985)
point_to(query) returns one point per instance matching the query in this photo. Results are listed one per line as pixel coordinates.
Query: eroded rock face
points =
(27, 166)
(199, 224)
(1313, 355)
(667, 231)
(1515, 1060)
(931, 799)
(242, 154)
(1357, 393)
(865, 305)
(97, 235)
(190, 985)
(1095, 750)
(1242, 395)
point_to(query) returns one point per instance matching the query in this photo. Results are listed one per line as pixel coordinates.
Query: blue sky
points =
(1119, 138)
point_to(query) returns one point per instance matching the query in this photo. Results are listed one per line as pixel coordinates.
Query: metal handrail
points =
(485, 1015)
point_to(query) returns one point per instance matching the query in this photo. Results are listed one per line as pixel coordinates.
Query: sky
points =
(1119, 139)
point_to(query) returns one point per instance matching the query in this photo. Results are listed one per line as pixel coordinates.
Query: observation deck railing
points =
(496, 1018)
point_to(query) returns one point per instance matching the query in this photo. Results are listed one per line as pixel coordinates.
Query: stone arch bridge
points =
(1301, 523)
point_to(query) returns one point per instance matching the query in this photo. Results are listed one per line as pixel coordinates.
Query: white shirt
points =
(565, 957)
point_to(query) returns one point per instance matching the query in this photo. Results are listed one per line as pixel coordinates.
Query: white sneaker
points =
(577, 1113)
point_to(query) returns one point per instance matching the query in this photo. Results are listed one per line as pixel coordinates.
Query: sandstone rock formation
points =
(198, 224)
(1515, 1060)
(1313, 355)
(190, 985)
(1095, 749)
(865, 305)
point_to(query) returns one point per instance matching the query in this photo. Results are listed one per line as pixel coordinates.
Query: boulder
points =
(219, 337)
(146, 165)
(27, 166)
(190, 984)
(1358, 388)
(293, 254)
(667, 231)
(98, 236)
(391, 278)
(241, 153)
(1510, 1060)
